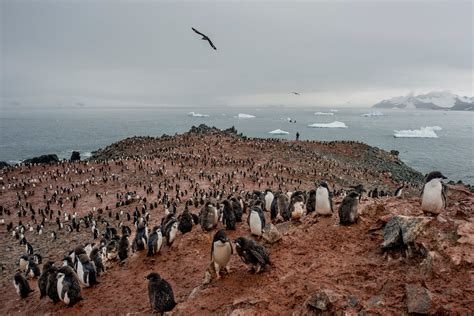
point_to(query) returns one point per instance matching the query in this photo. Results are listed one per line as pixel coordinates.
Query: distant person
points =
(297, 136)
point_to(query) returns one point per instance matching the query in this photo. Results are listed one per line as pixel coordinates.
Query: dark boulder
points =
(402, 230)
(394, 153)
(51, 158)
(3, 164)
(75, 156)
(418, 299)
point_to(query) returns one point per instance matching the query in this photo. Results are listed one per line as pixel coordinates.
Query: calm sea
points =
(25, 133)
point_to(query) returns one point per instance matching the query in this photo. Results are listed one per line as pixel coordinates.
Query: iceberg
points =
(423, 132)
(335, 124)
(324, 113)
(333, 110)
(278, 132)
(373, 113)
(245, 116)
(197, 114)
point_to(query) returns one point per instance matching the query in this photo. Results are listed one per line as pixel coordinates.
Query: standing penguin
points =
(32, 270)
(280, 207)
(296, 207)
(185, 221)
(311, 202)
(268, 200)
(348, 209)
(256, 220)
(238, 209)
(23, 263)
(399, 191)
(160, 294)
(171, 230)
(323, 205)
(228, 218)
(208, 217)
(252, 253)
(68, 286)
(122, 250)
(21, 285)
(51, 285)
(97, 259)
(221, 250)
(140, 239)
(433, 196)
(43, 279)
(86, 270)
(155, 241)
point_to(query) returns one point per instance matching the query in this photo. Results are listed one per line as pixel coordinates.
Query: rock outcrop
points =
(43, 159)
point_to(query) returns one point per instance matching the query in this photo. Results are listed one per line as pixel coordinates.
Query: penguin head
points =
(221, 236)
(240, 242)
(154, 277)
(434, 175)
(48, 265)
(353, 194)
(324, 184)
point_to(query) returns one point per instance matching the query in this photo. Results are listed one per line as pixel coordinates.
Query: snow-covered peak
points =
(431, 100)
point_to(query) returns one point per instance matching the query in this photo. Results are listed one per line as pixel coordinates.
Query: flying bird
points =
(295, 93)
(204, 37)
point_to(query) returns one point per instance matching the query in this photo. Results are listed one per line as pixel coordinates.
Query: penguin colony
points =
(220, 207)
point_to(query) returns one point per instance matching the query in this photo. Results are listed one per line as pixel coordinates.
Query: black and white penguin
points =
(68, 286)
(53, 235)
(155, 241)
(88, 248)
(122, 248)
(111, 249)
(433, 196)
(256, 220)
(43, 279)
(252, 253)
(32, 269)
(23, 262)
(348, 209)
(221, 250)
(97, 259)
(311, 201)
(160, 294)
(140, 239)
(228, 218)
(37, 258)
(208, 217)
(238, 209)
(399, 191)
(21, 285)
(86, 270)
(67, 261)
(323, 200)
(268, 200)
(171, 230)
(185, 221)
(28, 247)
(297, 205)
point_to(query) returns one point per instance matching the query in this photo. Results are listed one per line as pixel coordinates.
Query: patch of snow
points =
(333, 110)
(278, 132)
(335, 124)
(423, 132)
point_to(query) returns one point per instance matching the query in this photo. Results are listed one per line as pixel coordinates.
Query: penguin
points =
(375, 193)
(28, 247)
(323, 204)
(51, 284)
(37, 258)
(88, 248)
(252, 253)
(126, 230)
(86, 270)
(171, 229)
(140, 239)
(32, 270)
(359, 189)
(296, 207)
(399, 191)
(68, 286)
(208, 217)
(160, 294)
(256, 220)
(348, 209)
(23, 263)
(311, 202)
(238, 209)
(21, 285)
(123, 246)
(221, 250)
(268, 200)
(155, 241)
(111, 249)
(53, 235)
(280, 207)
(97, 259)
(185, 221)
(433, 195)
(67, 261)
(228, 218)
(43, 279)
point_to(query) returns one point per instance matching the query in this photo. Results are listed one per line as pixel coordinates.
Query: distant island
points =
(436, 100)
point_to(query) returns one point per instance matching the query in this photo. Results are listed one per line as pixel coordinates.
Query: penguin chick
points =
(252, 253)
(185, 221)
(21, 285)
(86, 271)
(228, 218)
(160, 294)
(348, 209)
(43, 279)
(208, 217)
(68, 286)
(123, 246)
(97, 259)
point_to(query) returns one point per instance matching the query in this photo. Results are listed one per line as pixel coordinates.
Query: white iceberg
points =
(278, 132)
(373, 113)
(324, 113)
(245, 116)
(423, 132)
(335, 124)
(333, 110)
(197, 114)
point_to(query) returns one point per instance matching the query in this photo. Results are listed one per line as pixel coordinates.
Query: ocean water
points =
(25, 133)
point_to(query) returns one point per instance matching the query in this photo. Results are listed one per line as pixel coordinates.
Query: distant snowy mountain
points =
(436, 100)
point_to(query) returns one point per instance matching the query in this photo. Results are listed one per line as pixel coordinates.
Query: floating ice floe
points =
(197, 114)
(423, 132)
(245, 116)
(324, 113)
(335, 124)
(373, 113)
(333, 110)
(278, 132)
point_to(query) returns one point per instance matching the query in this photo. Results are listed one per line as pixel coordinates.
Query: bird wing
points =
(260, 254)
(196, 31)
(210, 43)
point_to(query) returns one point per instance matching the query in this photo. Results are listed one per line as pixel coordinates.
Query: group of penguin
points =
(83, 265)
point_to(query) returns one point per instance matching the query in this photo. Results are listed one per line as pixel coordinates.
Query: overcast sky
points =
(335, 53)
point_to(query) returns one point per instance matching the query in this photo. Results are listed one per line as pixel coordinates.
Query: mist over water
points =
(25, 133)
